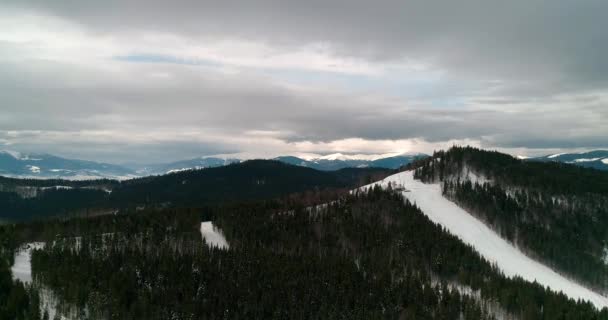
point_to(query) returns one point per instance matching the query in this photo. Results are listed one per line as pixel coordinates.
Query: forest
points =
(255, 179)
(366, 255)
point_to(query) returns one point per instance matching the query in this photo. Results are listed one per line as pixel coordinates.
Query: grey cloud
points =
(528, 74)
(232, 105)
(538, 47)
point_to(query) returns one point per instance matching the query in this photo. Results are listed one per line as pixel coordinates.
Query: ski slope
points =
(470, 230)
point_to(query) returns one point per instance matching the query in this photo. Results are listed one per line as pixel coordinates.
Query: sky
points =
(150, 81)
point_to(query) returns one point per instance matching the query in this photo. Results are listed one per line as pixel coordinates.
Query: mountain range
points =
(597, 159)
(47, 166)
(15, 164)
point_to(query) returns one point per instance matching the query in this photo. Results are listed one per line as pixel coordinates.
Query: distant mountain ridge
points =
(183, 165)
(339, 161)
(46, 166)
(597, 159)
(22, 199)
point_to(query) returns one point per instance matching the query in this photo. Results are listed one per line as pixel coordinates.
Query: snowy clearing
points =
(470, 230)
(22, 268)
(213, 236)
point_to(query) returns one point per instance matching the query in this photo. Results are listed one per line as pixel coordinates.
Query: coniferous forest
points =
(367, 255)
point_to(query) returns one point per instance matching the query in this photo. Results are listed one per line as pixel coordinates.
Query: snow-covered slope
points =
(470, 230)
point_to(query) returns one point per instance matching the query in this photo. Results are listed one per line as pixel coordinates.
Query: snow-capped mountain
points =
(339, 161)
(45, 166)
(183, 165)
(329, 162)
(597, 159)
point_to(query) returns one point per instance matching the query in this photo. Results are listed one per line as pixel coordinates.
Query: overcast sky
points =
(149, 81)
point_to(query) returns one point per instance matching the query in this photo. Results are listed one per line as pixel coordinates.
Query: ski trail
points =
(491, 246)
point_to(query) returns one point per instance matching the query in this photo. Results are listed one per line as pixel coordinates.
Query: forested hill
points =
(554, 177)
(557, 213)
(368, 255)
(250, 180)
(254, 179)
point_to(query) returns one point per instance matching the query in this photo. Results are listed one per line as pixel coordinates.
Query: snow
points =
(512, 262)
(22, 269)
(185, 169)
(520, 157)
(57, 188)
(586, 160)
(555, 155)
(336, 156)
(605, 161)
(213, 236)
(367, 157)
(34, 169)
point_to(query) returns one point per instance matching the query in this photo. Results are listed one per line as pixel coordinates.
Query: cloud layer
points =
(155, 80)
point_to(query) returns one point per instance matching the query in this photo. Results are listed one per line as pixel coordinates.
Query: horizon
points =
(307, 157)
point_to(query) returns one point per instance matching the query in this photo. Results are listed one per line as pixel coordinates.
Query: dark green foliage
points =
(251, 180)
(50, 203)
(366, 256)
(10, 184)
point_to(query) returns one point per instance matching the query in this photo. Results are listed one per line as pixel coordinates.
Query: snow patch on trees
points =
(213, 236)
(22, 271)
(22, 267)
(511, 261)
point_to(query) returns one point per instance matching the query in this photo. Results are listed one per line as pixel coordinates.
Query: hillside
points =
(557, 213)
(282, 261)
(250, 180)
(472, 231)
